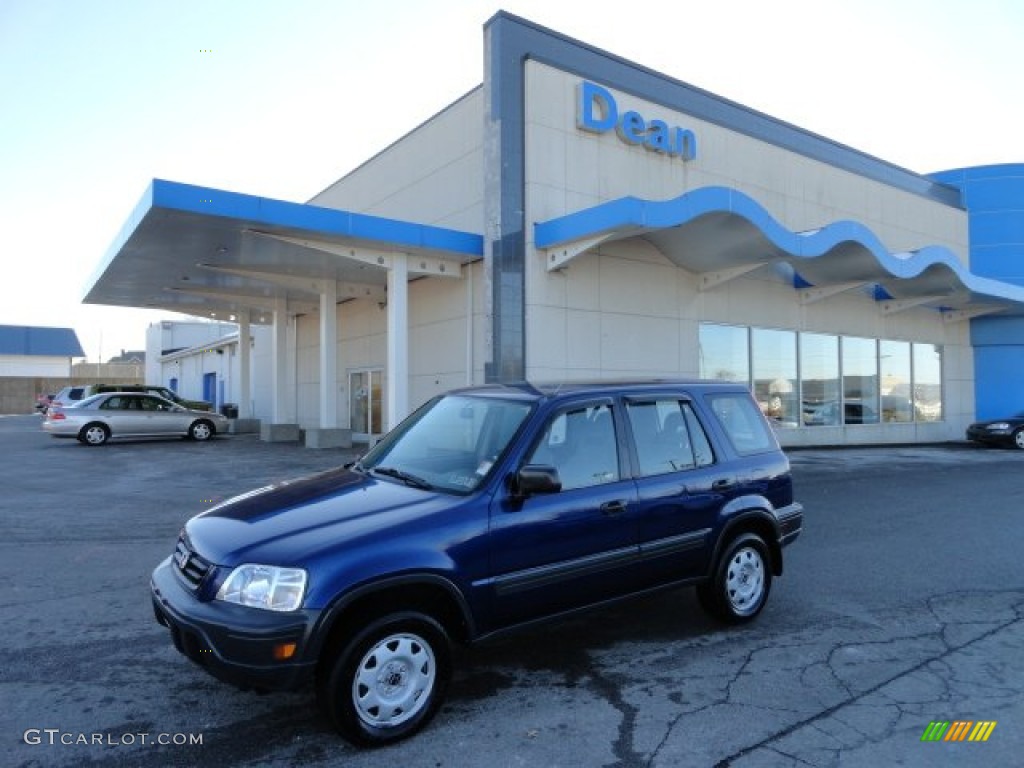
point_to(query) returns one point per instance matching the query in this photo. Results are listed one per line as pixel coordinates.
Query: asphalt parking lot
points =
(902, 604)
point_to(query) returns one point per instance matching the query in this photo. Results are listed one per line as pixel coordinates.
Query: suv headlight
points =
(264, 586)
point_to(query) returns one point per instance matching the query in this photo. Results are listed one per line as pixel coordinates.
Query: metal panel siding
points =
(994, 366)
(309, 219)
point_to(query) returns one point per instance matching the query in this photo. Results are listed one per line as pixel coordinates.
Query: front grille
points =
(189, 564)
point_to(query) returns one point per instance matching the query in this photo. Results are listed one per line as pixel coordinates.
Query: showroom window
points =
(894, 372)
(817, 379)
(819, 384)
(927, 382)
(860, 380)
(724, 353)
(775, 381)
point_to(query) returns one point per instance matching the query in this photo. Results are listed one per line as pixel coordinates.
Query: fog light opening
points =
(283, 651)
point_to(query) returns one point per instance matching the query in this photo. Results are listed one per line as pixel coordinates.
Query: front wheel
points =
(94, 434)
(1018, 438)
(389, 680)
(738, 589)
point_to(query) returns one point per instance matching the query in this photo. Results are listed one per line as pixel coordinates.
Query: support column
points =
(328, 435)
(244, 367)
(282, 427)
(398, 341)
(245, 422)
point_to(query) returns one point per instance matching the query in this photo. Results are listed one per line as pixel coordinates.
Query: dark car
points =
(164, 392)
(1008, 431)
(487, 509)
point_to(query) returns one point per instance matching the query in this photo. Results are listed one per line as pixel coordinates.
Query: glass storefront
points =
(817, 379)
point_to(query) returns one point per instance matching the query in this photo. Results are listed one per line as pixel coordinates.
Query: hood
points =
(285, 523)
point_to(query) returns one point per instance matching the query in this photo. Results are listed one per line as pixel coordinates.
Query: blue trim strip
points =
(310, 219)
(629, 216)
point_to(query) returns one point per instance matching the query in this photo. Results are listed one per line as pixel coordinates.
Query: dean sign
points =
(597, 112)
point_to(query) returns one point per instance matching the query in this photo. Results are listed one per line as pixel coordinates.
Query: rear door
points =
(162, 417)
(557, 551)
(680, 487)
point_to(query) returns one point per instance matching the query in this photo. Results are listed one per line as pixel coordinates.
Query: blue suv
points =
(487, 509)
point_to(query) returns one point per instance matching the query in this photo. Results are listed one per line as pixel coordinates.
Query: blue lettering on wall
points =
(597, 112)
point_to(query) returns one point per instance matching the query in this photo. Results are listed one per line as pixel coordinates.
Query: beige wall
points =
(434, 175)
(441, 346)
(626, 310)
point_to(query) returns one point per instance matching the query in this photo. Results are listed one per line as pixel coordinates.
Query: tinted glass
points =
(743, 423)
(581, 445)
(452, 442)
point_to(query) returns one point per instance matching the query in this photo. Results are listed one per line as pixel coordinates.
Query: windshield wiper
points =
(405, 477)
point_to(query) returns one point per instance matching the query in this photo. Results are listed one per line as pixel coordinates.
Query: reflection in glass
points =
(775, 380)
(860, 380)
(724, 354)
(894, 369)
(928, 382)
(819, 371)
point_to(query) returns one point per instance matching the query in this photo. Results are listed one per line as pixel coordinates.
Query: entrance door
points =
(365, 395)
(210, 388)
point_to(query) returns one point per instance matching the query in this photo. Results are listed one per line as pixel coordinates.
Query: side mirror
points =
(534, 479)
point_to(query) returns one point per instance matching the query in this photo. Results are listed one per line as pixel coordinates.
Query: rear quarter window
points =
(742, 423)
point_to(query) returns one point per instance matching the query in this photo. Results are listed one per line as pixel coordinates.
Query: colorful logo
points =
(958, 730)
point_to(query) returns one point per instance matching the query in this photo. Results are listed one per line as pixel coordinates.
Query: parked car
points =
(164, 392)
(1008, 431)
(71, 394)
(487, 509)
(100, 418)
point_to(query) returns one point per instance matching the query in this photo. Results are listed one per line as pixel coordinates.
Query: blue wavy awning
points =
(716, 228)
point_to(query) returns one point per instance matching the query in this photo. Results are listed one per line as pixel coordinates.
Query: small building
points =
(579, 216)
(27, 351)
(34, 361)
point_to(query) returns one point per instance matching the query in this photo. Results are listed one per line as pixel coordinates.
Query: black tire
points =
(201, 430)
(1018, 438)
(742, 579)
(94, 434)
(388, 680)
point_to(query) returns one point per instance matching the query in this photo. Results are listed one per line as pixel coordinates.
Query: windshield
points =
(450, 444)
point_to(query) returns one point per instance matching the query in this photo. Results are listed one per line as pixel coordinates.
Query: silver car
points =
(100, 418)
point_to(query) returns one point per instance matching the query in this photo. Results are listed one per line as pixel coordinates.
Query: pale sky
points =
(280, 98)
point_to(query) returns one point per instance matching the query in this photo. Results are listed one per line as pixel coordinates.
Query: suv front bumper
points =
(234, 643)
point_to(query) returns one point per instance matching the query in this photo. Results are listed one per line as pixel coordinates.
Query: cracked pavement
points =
(902, 603)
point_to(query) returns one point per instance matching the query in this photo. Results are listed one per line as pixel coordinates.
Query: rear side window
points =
(668, 437)
(743, 423)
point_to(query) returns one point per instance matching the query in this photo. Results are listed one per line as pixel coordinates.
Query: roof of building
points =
(39, 342)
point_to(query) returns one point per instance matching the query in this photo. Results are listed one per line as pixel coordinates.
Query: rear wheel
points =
(94, 434)
(1018, 438)
(388, 680)
(740, 584)
(201, 430)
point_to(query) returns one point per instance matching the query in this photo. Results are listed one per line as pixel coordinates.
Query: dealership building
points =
(579, 216)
